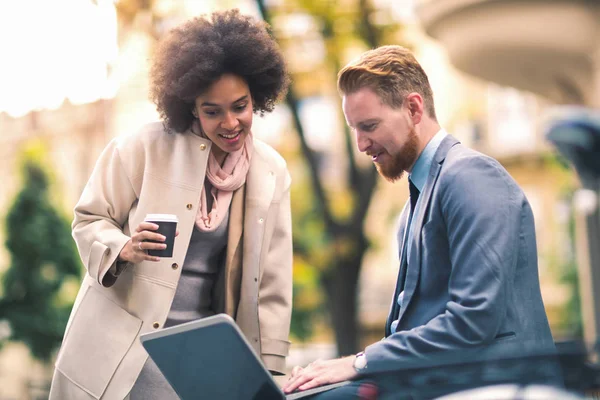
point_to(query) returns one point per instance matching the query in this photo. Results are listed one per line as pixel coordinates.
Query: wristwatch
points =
(360, 362)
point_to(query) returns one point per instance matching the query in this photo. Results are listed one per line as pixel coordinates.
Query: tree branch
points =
(309, 155)
(353, 171)
(292, 101)
(371, 34)
(365, 190)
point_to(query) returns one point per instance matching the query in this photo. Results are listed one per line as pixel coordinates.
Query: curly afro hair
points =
(197, 53)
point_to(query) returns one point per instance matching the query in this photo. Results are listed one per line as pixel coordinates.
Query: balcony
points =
(548, 47)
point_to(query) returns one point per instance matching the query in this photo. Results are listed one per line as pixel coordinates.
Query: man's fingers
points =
(292, 384)
(302, 376)
(312, 384)
(307, 382)
(295, 371)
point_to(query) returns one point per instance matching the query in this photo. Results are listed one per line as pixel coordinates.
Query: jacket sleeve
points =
(275, 292)
(481, 208)
(100, 215)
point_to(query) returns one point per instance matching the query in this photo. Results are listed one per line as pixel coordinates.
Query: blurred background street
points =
(74, 75)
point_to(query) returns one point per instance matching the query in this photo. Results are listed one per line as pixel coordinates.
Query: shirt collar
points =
(420, 171)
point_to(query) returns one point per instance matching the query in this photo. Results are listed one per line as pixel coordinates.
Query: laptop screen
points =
(210, 359)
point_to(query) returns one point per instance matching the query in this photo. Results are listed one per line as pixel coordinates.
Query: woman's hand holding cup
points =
(144, 238)
(153, 239)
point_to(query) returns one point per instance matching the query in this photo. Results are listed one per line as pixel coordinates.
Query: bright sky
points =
(62, 49)
(52, 50)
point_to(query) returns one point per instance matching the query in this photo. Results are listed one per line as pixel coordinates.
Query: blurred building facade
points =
(549, 47)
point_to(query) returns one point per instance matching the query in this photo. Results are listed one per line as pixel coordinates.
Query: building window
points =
(511, 121)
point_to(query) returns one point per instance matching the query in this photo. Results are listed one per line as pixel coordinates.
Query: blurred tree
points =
(43, 258)
(141, 12)
(330, 235)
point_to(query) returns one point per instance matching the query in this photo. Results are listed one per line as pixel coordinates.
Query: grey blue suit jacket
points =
(472, 280)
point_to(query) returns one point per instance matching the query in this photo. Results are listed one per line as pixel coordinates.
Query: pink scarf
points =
(225, 180)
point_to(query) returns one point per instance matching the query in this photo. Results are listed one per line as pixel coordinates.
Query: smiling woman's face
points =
(225, 113)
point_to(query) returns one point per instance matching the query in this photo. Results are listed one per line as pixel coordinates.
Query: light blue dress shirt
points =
(419, 176)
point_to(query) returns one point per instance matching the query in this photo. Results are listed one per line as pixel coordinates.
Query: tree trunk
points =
(341, 287)
(340, 280)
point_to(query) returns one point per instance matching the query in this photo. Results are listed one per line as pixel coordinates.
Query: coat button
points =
(155, 325)
(202, 147)
(189, 206)
(174, 266)
(260, 220)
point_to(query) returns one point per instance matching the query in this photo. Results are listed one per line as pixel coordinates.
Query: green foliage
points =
(571, 321)
(308, 233)
(43, 257)
(308, 300)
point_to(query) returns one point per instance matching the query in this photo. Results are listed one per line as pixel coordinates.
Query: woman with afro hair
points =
(230, 193)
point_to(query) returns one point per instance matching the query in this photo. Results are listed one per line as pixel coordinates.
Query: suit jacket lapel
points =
(414, 264)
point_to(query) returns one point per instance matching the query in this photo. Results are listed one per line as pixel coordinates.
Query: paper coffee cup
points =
(167, 226)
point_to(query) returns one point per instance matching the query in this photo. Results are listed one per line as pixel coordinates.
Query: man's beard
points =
(394, 169)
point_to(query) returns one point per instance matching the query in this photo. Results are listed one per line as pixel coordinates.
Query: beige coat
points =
(155, 172)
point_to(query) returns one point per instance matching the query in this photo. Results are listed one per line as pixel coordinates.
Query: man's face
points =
(384, 133)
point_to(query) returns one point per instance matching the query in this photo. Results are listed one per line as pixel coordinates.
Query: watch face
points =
(360, 362)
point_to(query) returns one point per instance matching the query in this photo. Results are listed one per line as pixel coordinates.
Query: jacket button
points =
(174, 266)
(156, 325)
(189, 206)
(260, 220)
(202, 147)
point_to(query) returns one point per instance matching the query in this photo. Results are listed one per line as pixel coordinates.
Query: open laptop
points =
(211, 359)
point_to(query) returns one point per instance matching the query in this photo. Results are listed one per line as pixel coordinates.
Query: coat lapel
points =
(260, 189)
(233, 261)
(247, 217)
(414, 264)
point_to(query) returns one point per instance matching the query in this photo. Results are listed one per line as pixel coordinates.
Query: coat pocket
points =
(100, 335)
